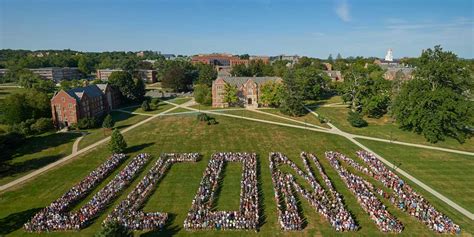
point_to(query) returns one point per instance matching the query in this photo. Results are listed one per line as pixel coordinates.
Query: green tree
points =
(241, 70)
(177, 78)
(114, 229)
(139, 90)
(437, 103)
(230, 95)
(108, 122)
(338, 57)
(207, 74)
(85, 65)
(126, 85)
(146, 106)
(203, 94)
(19, 107)
(312, 82)
(293, 98)
(330, 59)
(271, 94)
(117, 142)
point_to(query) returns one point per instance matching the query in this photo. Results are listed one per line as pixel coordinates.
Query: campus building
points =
(248, 90)
(226, 60)
(394, 68)
(148, 76)
(68, 107)
(57, 74)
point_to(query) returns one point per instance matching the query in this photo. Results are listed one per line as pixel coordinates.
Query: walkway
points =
(75, 146)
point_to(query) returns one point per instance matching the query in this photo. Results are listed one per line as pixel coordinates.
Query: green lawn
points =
(307, 118)
(450, 174)
(122, 121)
(176, 191)
(384, 128)
(37, 151)
(180, 100)
(256, 115)
(162, 106)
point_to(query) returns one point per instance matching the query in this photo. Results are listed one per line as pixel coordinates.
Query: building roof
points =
(239, 81)
(90, 90)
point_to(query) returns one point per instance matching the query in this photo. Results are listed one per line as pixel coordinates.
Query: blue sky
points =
(266, 27)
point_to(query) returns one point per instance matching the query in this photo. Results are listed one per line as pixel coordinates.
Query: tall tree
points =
(230, 94)
(207, 74)
(127, 86)
(203, 94)
(437, 103)
(271, 94)
(117, 142)
(330, 59)
(293, 97)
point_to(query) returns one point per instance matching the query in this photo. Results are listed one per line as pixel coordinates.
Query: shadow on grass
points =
(20, 167)
(169, 229)
(36, 144)
(15, 221)
(261, 197)
(138, 148)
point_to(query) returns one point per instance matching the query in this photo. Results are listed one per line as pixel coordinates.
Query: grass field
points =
(122, 121)
(175, 192)
(384, 128)
(308, 118)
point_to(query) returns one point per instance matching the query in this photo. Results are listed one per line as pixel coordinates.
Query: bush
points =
(154, 103)
(108, 122)
(113, 229)
(202, 117)
(87, 123)
(23, 128)
(356, 120)
(42, 125)
(322, 119)
(146, 106)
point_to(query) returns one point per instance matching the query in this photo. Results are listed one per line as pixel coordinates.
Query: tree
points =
(311, 82)
(230, 94)
(241, 70)
(293, 98)
(139, 89)
(207, 74)
(19, 107)
(339, 57)
(108, 122)
(117, 142)
(177, 79)
(330, 59)
(145, 106)
(114, 229)
(271, 94)
(437, 103)
(126, 85)
(85, 65)
(203, 94)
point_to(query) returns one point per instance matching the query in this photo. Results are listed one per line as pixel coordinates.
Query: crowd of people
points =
(406, 198)
(56, 216)
(128, 212)
(201, 215)
(366, 198)
(329, 204)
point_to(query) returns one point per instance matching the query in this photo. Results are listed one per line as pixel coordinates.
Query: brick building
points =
(148, 76)
(248, 89)
(58, 74)
(68, 107)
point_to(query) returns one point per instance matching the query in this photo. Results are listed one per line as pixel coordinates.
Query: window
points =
(70, 105)
(63, 99)
(59, 113)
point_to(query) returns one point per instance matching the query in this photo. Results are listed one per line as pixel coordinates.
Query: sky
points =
(314, 28)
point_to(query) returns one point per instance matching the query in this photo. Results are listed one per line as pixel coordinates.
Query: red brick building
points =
(68, 107)
(248, 89)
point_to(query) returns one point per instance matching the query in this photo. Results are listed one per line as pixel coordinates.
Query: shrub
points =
(42, 125)
(322, 119)
(202, 117)
(146, 106)
(108, 122)
(356, 120)
(87, 123)
(23, 128)
(113, 229)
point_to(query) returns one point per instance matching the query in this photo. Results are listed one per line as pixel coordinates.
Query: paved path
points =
(75, 146)
(289, 119)
(79, 152)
